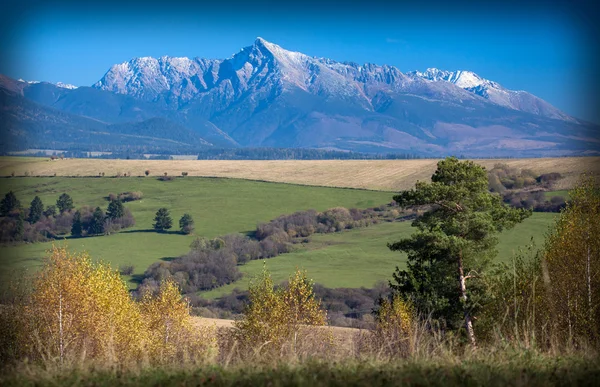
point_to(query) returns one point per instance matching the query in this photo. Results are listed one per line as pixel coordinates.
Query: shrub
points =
(276, 322)
(394, 325)
(126, 196)
(127, 270)
(547, 178)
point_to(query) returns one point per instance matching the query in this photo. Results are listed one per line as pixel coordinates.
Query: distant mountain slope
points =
(27, 124)
(117, 108)
(518, 100)
(265, 95)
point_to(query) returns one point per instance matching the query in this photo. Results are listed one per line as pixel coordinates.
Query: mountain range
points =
(266, 96)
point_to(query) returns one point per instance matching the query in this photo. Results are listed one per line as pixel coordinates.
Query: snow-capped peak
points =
(461, 78)
(30, 82)
(493, 91)
(266, 66)
(66, 85)
(59, 84)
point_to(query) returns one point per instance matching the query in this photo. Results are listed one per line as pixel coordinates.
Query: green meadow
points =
(218, 205)
(360, 257)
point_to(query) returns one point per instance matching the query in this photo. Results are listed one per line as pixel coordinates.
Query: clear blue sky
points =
(543, 52)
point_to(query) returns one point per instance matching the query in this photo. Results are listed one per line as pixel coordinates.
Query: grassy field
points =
(550, 194)
(507, 369)
(360, 257)
(218, 206)
(390, 175)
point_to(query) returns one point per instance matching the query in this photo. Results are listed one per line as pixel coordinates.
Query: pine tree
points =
(50, 211)
(77, 227)
(454, 242)
(9, 203)
(97, 222)
(186, 224)
(163, 220)
(115, 210)
(64, 203)
(36, 210)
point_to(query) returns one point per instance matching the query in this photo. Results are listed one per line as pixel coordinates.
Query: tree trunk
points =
(60, 328)
(463, 295)
(589, 285)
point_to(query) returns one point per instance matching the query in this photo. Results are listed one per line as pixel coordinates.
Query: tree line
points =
(37, 223)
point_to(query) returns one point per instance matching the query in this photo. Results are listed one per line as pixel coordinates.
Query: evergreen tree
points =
(97, 222)
(163, 220)
(50, 211)
(186, 224)
(454, 242)
(36, 210)
(77, 227)
(64, 203)
(115, 209)
(9, 203)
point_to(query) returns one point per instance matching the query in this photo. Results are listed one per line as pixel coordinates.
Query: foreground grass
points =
(218, 206)
(360, 257)
(522, 369)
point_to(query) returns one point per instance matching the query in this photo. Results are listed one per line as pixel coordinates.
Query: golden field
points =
(385, 175)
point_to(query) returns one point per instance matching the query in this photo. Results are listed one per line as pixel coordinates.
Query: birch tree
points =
(572, 255)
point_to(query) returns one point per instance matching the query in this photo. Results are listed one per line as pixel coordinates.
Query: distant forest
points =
(235, 154)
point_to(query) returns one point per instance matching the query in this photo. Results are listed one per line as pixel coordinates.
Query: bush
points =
(125, 196)
(127, 270)
(276, 322)
(548, 178)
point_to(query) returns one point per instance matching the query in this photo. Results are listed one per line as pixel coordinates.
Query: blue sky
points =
(543, 52)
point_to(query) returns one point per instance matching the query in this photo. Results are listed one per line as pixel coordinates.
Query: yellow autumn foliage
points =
(172, 335)
(572, 256)
(279, 320)
(395, 323)
(81, 311)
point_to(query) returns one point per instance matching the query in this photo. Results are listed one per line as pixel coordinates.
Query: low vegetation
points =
(524, 188)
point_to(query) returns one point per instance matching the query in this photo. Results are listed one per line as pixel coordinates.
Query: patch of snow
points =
(66, 85)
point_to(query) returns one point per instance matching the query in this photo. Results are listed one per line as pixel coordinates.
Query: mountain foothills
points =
(266, 96)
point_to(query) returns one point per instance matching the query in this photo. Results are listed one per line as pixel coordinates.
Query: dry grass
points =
(345, 338)
(385, 175)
